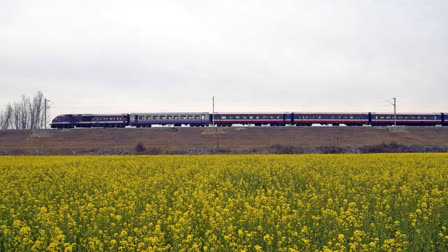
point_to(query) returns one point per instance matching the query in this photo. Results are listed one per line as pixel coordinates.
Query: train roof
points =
(403, 113)
(171, 113)
(333, 113)
(251, 113)
(120, 114)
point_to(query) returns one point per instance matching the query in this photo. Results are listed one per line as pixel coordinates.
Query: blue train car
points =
(110, 121)
(335, 119)
(257, 119)
(405, 119)
(176, 119)
(90, 120)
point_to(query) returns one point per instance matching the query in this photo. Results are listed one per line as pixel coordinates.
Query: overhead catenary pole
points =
(395, 112)
(45, 113)
(213, 112)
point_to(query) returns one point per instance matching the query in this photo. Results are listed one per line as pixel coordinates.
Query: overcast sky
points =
(147, 56)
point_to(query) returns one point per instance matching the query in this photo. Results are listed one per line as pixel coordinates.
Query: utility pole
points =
(45, 112)
(213, 112)
(395, 112)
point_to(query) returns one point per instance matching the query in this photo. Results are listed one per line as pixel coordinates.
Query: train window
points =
(190, 117)
(162, 117)
(223, 117)
(244, 117)
(237, 117)
(251, 117)
(169, 117)
(202, 117)
(176, 117)
(197, 117)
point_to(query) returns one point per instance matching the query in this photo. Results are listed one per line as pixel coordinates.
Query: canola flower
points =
(374, 202)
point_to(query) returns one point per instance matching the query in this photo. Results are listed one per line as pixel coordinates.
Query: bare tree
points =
(6, 116)
(38, 107)
(24, 113)
(16, 116)
(1, 118)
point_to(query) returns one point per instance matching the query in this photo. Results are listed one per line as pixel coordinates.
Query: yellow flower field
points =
(371, 202)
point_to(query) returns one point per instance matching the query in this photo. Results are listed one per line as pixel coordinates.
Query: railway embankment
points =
(237, 140)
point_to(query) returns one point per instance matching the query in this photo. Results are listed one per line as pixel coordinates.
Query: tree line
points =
(26, 113)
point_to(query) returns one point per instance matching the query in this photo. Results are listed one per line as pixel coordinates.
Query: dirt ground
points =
(222, 140)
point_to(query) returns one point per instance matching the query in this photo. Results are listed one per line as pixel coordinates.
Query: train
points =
(205, 119)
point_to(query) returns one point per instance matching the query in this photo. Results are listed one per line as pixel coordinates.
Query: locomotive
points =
(203, 119)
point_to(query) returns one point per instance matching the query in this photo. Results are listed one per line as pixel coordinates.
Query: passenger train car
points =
(335, 119)
(174, 119)
(256, 119)
(381, 119)
(90, 120)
